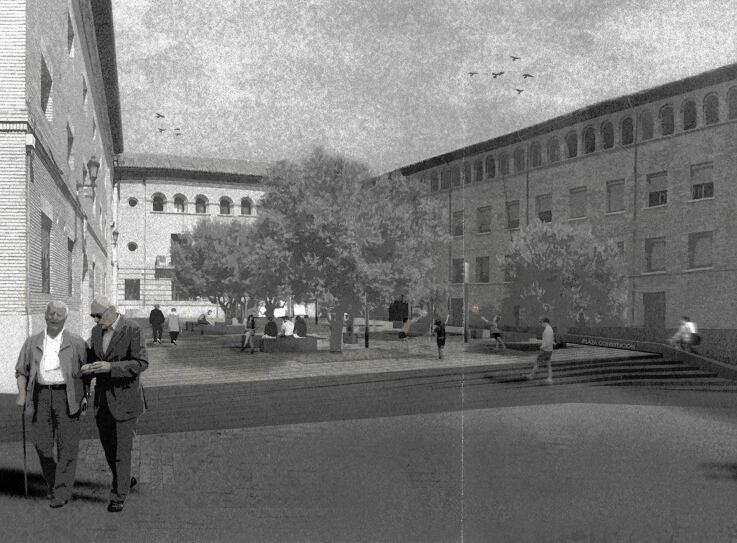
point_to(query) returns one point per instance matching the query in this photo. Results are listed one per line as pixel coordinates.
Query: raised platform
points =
(285, 344)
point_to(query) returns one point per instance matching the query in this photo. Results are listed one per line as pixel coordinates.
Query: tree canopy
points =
(567, 273)
(340, 234)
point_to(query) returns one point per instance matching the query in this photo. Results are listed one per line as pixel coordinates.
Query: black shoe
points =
(134, 482)
(115, 506)
(56, 503)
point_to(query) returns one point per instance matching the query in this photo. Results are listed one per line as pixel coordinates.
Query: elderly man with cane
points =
(50, 388)
(116, 359)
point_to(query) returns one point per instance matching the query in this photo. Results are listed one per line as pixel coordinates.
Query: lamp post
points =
(465, 301)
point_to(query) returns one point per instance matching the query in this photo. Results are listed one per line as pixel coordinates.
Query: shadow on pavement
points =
(11, 484)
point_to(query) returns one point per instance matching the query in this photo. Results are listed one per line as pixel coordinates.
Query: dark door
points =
(654, 305)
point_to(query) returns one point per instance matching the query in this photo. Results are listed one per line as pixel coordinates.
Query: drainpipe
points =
(633, 269)
(30, 146)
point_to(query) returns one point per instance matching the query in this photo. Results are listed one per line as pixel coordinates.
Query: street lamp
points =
(93, 168)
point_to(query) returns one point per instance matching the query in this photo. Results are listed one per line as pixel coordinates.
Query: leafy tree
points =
(210, 261)
(566, 273)
(343, 235)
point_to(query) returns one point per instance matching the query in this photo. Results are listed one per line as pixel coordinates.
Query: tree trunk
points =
(336, 329)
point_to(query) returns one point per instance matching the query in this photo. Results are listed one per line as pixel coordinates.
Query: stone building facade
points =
(162, 196)
(59, 131)
(654, 171)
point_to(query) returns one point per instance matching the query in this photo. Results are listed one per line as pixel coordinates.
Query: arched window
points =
(478, 170)
(246, 202)
(519, 160)
(711, 109)
(607, 135)
(589, 140)
(445, 179)
(536, 158)
(667, 123)
(490, 167)
(504, 164)
(689, 115)
(628, 132)
(200, 204)
(732, 103)
(553, 150)
(225, 205)
(646, 126)
(572, 144)
(180, 203)
(158, 202)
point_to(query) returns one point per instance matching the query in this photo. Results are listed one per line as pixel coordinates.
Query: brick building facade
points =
(654, 171)
(162, 196)
(59, 123)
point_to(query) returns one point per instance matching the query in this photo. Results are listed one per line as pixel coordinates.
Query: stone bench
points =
(286, 344)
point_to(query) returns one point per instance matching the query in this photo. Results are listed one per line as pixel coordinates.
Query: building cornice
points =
(607, 107)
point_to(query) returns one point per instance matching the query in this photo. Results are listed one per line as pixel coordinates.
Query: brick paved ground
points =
(650, 460)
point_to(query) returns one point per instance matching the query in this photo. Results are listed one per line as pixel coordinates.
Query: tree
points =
(343, 234)
(566, 273)
(210, 261)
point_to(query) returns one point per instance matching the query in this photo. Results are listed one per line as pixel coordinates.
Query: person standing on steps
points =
(156, 319)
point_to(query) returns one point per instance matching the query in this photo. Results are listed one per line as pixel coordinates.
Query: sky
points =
(387, 82)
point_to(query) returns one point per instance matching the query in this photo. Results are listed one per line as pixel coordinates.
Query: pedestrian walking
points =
(248, 334)
(496, 334)
(51, 389)
(686, 336)
(156, 319)
(439, 332)
(546, 350)
(172, 324)
(116, 360)
(404, 332)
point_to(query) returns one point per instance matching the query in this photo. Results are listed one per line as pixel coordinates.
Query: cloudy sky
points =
(386, 81)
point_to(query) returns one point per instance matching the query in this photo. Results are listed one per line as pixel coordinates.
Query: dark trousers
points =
(116, 437)
(174, 335)
(52, 424)
(158, 331)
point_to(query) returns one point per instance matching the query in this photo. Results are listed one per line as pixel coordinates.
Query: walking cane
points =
(25, 461)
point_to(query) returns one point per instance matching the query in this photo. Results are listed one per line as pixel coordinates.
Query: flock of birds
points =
(176, 131)
(495, 75)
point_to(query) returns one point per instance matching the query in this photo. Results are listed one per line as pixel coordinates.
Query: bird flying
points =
(162, 129)
(473, 73)
(496, 74)
(520, 91)
(177, 134)
(514, 58)
(525, 76)
(159, 116)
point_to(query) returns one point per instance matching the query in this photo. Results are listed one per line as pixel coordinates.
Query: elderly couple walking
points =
(54, 371)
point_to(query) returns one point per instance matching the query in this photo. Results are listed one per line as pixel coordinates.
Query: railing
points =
(163, 261)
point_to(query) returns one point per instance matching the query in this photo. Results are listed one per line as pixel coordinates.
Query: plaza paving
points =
(620, 448)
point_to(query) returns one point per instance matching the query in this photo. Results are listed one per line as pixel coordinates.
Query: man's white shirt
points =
(50, 366)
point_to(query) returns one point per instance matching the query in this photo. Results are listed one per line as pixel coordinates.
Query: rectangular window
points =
(46, 84)
(578, 202)
(615, 196)
(700, 250)
(657, 187)
(702, 184)
(513, 215)
(434, 182)
(482, 269)
(507, 269)
(655, 254)
(457, 271)
(483, 219)
(45, 254)
(455, 176)
(132, 289)
(445, 179)
(544, 204)
(458, 223)
(70, 267)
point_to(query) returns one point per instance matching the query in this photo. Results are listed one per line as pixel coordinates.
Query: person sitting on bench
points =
(270, 330)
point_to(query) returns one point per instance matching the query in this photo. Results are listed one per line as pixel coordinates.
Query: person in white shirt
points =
(684, 336)
(546, 350)
(51, 389)
(287, 327)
